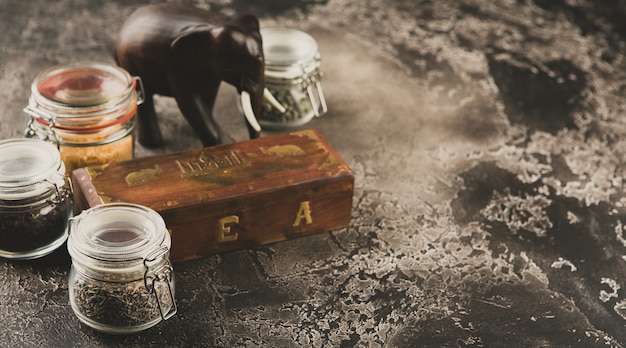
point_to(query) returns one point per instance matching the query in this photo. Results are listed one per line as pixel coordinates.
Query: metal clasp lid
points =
(310, 80)
(320, 95)
(141, 93)
(164, 275)
(49, 118)
(61, 194)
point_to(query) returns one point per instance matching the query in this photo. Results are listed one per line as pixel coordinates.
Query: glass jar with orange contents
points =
(88, 110)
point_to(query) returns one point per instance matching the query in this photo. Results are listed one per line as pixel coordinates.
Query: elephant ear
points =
(191, 50)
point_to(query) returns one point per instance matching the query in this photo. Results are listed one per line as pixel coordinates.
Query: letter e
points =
(223, 231)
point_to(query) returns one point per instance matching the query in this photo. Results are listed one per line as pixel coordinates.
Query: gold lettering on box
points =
(209, 163)
(223, 231)
(304, 213)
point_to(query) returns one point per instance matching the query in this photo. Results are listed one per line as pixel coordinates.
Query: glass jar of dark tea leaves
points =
(36, 199)
(121, 280)
(293, 77)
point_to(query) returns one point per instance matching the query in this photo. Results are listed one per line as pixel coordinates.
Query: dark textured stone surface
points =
(488, 143)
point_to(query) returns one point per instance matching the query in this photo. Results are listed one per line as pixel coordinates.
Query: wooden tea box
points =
(231, 196)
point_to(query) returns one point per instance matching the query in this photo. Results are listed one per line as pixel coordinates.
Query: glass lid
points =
(117, 232)
(82, 84)
(286, 47)
(27, 161)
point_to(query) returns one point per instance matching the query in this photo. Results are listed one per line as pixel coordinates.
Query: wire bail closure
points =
(47, 117)
(141, 93)
(61, 194)
(164, 276)
(308, 82)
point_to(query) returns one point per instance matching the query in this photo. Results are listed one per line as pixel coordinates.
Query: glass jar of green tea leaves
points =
(87, 110)
(293, 77)
(121, 279)
(36, 199)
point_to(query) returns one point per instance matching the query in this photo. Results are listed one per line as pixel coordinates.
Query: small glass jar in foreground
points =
(87, 110)
(121, 280)
(36, 199)
(292, 76)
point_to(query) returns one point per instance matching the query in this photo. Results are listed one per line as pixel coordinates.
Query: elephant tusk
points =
(272, 100)
(246, 105)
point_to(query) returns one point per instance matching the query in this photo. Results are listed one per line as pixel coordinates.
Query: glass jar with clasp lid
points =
(293, 77)
(88, 110)
(121, 279)
(36, 199)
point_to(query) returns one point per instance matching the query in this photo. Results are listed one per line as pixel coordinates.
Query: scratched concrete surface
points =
(488, 142)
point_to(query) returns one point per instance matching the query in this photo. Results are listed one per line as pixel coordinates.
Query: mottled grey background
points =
(487, 140)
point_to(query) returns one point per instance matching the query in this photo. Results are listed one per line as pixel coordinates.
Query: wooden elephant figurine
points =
(185, 52)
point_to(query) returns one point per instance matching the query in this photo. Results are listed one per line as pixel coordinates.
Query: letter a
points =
(304, 212)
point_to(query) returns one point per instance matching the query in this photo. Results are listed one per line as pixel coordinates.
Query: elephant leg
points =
(198, 110)
(148, 132)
